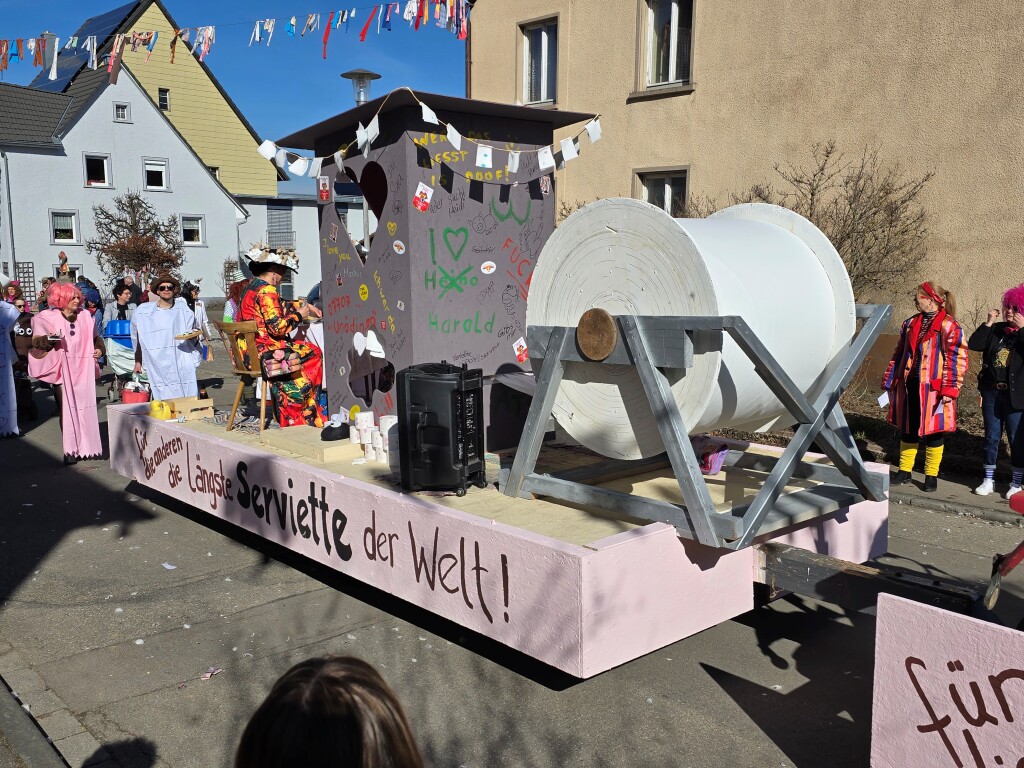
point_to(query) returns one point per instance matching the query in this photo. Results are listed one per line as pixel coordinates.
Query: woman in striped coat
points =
(924, 379)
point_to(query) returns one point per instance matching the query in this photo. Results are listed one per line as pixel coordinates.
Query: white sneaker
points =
(1013, 489)
(986, 487)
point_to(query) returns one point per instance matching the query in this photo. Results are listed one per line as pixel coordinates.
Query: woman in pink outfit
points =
(65, 347)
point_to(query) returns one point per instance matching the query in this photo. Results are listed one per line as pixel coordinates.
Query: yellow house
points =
(185, 91)
(705, 98)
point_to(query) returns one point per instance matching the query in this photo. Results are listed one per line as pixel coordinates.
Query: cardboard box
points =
(189, 408)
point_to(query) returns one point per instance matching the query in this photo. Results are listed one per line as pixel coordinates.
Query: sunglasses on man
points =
(164, 288)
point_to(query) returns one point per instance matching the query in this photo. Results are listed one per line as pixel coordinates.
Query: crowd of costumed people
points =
(157, 333)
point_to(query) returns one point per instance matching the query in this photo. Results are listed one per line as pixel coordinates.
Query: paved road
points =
(108, 646)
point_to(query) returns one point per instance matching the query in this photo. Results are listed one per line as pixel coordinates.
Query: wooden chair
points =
(240, 342)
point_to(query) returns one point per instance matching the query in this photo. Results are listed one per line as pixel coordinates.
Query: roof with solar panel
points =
(70, 61)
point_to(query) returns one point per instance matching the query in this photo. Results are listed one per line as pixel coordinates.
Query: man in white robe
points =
(170, 362)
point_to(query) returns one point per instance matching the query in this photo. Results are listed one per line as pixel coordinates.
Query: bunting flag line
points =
(450, 15)
(484, 156)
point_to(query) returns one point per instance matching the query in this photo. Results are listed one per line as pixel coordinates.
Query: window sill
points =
(156, 189)
(98, 186)
(541, 105)
(661, 92)
(65, 242)
(193, 245)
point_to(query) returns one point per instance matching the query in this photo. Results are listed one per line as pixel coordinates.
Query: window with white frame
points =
(97, 171)
(540, 64)
(163, 99)
(72, 274)
(666, 191)
(154, 175)
(63, 226)
(122, 113)
(192, 230)
(669, 36)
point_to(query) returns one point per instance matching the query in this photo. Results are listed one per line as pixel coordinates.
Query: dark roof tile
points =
(29, 115)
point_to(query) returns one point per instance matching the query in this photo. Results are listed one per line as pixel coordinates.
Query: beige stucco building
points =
(704, 98)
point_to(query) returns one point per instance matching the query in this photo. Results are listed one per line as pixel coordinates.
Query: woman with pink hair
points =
(65, 347)
(1001, 383)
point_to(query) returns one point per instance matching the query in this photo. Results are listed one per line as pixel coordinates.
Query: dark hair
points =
(257, 268)
(186, 291)
(329, 712)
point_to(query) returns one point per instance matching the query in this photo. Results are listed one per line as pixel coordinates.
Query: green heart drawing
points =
(461, 231)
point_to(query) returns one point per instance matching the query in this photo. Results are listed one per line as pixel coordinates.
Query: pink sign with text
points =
(949, 690)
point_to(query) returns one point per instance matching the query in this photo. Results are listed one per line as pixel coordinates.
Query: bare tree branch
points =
(131, 238)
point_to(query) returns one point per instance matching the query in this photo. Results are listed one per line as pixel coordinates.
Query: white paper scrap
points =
(594, 130)
(545, 158)
(454, 137)
(268, 149)
(569, 151)
(281, 158)
(314, 167)
(373, 130)
(513, 162)
(299, 166)
(428, 114)
(360, 135)
(169, 567)
(883, 400)
(483, 156)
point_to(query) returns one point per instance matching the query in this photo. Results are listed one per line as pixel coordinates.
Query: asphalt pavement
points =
(117, 659)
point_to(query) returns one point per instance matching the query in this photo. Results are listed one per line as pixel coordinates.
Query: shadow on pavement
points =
(130, 753)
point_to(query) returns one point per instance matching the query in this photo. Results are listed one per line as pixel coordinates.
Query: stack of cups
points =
(388, 448)
(363, 427)
(377, 444)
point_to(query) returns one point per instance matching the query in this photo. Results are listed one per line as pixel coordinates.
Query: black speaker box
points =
(441, 427)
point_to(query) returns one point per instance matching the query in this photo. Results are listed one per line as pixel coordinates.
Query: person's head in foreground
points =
(329, 712)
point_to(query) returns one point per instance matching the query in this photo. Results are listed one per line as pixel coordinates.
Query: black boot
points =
(900, 478)
(69, 460)
(931, 483)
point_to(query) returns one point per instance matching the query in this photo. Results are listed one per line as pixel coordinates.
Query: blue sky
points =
(289, 85)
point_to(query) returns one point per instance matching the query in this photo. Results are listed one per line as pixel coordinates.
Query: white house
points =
(63, 153)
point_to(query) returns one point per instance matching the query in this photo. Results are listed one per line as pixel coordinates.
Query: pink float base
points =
(581, 609)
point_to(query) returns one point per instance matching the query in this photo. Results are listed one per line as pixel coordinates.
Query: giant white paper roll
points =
(765, 263)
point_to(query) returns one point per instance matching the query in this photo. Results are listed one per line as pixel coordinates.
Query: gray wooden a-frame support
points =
(653, 343)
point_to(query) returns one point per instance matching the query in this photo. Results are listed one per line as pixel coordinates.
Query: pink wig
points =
(58, 295)
(1014, 297)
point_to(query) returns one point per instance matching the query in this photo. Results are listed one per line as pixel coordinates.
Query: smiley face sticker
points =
(364, 292)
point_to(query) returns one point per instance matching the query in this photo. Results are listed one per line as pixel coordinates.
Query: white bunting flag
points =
(569, 151)
(372, 131)
(281, 158)
(483, 156)
(513, 162)
(428, 114)
(360, 136)
(339, 159)
(545, 158)
(454, 137)
(299, 166)
(594, 130)
(314, 167)
(268, 149)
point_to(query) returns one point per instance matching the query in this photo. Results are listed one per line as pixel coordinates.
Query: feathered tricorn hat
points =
(261, 253)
